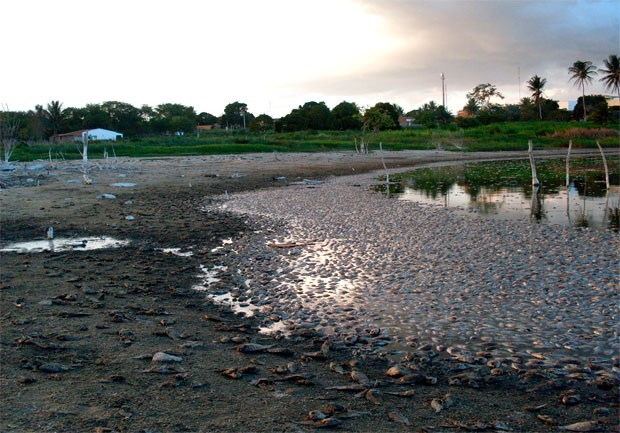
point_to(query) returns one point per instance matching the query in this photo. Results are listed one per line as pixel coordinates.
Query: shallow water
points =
(65, 244)
(503, 190)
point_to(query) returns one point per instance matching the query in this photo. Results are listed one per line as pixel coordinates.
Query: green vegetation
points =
(494, 137)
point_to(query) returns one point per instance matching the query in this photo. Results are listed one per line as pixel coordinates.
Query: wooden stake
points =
(570, 145)
(535, 181)
(604, 164)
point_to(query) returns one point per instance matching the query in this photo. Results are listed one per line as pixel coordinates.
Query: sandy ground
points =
(80, 328)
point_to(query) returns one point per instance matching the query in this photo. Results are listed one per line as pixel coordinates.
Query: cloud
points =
(473, 42)
(275, 55)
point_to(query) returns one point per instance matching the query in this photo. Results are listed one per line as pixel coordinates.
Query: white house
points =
(97, 134)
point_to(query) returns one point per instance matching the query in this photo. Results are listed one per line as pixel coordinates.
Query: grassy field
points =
(494, 137)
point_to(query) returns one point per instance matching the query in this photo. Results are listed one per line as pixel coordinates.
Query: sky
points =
(275, 55)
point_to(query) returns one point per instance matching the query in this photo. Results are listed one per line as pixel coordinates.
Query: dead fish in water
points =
(253, 348)
(398, 417)
(583, 426)
(437, 405)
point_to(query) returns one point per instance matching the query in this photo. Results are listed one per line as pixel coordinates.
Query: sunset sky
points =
(275, 55)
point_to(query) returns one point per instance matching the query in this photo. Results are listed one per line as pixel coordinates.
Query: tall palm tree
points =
(535, 85)
(612, 74)
(55, 115)
(582, 72)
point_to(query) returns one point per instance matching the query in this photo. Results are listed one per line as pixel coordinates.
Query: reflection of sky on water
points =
(562, 206)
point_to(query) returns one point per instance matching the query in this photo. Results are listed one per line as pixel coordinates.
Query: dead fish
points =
(535, 408)
(281, 351)
(346, 388)
(328, 423)
(165, 357)
(546, 419)
(406, 394)
(437, 405)
(325, 347)
(212, 318)
(398, 417)
(315, 355)
(373, 396)
(359, 377)
(164, 369)
(232, 373)
(261, 382)
(253, 348)
(336, 368)
(571, 399)
(53, 367)
(583, 426)
(412, 379)
(316, 415)
(299, 379)
(396, 371)
(333, 408)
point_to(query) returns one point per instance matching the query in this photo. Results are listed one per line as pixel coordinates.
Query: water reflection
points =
(504, 190)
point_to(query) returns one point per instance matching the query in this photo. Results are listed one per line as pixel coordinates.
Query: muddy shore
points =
(80, 328)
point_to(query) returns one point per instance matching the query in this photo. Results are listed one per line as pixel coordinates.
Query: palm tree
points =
(55, 115)
(612, 74)
(535, 85)
(582, 72)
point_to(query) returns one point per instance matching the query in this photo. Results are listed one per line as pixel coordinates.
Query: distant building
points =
(612, 100)
(567, 105)
(406, 122)
(97, 134)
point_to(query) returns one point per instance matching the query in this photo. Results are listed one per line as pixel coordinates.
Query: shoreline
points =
(80, 329)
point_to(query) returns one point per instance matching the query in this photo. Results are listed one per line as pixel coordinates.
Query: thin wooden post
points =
(570, 145)
(604, 164)
(87, 180)
(535, 181)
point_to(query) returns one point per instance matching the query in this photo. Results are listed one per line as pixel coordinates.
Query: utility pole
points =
(519, 78)
(443, 90)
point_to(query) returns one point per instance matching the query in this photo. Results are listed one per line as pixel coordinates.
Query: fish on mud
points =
(253, 348)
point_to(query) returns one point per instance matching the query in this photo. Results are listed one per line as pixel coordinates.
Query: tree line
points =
(44, 123)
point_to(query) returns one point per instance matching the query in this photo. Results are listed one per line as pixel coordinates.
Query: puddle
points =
(176, 252)
(123, 185)
(224, 242)
(65, 244)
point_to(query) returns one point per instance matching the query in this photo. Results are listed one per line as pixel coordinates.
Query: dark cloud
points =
(478, 41)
